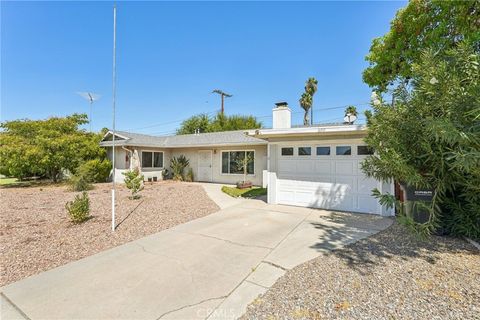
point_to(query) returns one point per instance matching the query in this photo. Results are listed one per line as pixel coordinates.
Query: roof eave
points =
(309, 131)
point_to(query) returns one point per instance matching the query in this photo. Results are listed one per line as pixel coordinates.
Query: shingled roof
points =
(225, 138)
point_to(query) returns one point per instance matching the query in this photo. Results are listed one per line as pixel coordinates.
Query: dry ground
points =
(391, 275)
(36, 233)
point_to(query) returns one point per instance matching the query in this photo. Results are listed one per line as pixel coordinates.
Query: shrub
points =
(79, 182)
(178, 165)
(79, 208)
(90, 171)
(165, 174)
(134, 182)
(189, 175)
(95, 170)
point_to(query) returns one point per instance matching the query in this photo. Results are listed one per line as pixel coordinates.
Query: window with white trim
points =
(152, 159)
(287, 151)
(232, 162)
(304, 151)
(323, 151)
(343, 150)
(364, 150)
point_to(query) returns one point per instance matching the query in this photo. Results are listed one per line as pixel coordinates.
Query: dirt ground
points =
(390, 275)
(36, 233)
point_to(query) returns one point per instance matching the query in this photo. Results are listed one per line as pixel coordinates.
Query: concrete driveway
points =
(211, 267)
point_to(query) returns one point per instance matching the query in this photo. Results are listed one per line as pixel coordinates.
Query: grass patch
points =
(7, 181)
(15, 183)
(252, 192)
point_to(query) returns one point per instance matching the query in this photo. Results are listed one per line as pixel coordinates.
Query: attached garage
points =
(323, 174)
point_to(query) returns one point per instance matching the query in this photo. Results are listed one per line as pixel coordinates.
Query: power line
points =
(165, 123)
(258, 117)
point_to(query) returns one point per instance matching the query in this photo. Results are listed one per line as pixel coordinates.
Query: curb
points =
(474, 243)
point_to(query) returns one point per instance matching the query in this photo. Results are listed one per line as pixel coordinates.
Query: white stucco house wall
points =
(310, 166)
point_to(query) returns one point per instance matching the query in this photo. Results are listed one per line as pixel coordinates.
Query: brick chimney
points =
(282, 116)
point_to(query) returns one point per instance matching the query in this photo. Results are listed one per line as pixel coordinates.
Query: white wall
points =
(217, 175)
(120, 154)
(192, 155)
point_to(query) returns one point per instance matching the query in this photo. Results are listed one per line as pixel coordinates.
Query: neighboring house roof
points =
(226, 138)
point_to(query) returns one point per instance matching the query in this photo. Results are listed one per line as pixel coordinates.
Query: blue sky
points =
(170, 56)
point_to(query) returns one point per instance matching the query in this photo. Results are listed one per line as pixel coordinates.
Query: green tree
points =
(306, 100)
(435, 24)
(134, 182)
(220, 122)
(431, 138)
(198, 122)
(351, 110)
(47, 147)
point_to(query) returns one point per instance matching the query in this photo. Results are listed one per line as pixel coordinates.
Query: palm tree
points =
(311, 88)
(306, 103)
(351, 110)
(306, 100)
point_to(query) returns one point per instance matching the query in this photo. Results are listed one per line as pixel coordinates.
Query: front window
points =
(152, 159)
(232, 162)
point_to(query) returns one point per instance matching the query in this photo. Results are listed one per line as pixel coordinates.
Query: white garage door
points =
(325, 176)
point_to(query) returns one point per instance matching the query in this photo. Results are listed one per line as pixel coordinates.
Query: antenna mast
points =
(114, 91)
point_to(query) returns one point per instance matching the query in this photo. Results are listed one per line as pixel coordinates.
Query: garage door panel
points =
(287, 166)
(367, 204)
(345, 182)
(344, 167)
(305, 167)
(323, 167)
(366, 185)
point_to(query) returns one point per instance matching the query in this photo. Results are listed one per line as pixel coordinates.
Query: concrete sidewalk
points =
(211, 267)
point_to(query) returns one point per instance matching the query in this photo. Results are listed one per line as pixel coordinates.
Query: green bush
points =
(95, 170)
(79, 182)
(189, 176)
(178, 165)
(79, 208)
(89, 172)
(134, 182)
(165, 174)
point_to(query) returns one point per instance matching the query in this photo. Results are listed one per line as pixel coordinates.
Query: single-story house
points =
(310, 166)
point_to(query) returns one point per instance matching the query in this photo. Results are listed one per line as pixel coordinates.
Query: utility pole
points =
(223, 95)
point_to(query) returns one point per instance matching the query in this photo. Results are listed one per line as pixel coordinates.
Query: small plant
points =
(189, 176)
(178, 165)
(134, 182)
(79, 182)
(79, 208)
(242, 164)
(165, 174)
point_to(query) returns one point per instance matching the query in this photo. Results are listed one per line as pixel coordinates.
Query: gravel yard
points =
(36, 233)
(391, 275)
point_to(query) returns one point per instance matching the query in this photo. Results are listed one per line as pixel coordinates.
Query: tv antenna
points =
(223, 95)
(91, 98)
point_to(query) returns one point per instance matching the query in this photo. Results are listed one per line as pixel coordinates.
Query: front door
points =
(205, 165)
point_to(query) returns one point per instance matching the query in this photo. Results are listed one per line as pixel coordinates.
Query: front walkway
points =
(211, 267)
